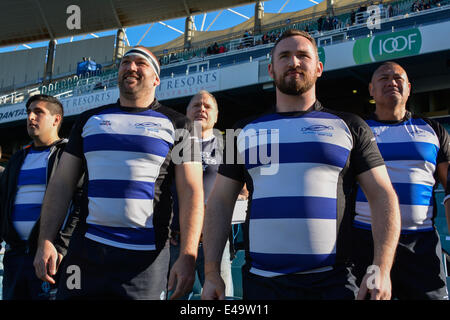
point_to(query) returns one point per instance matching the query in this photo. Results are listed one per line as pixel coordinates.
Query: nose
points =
(294, 61)
(31, 116)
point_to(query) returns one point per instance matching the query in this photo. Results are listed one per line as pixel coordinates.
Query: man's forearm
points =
(386, 229)
(54, 209)
(191, 221)
(216, 230)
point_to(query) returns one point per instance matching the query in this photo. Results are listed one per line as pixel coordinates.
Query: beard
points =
(127, 90)
(294, 86)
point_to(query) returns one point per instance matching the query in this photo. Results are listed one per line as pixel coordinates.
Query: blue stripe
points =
(291, 263)
(366, 226)
(294, 207)
(26, 212)
(301, 152)
(121, 189)
(136, 236)
(125, 142)
(408, 193)
(309, 115)
(146, 113)
(362, 225)
(409, 151)
(32, 176)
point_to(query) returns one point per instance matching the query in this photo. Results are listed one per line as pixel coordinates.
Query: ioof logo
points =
(105, 123)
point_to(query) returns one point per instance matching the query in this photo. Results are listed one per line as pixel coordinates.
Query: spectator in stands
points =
(390, 11)
(203, 111)
(132, 151)
(265, 38)
(352, 17)
(22, 188)
(293, 197)
(416, 151)
(222, 49)
(320, 22)
(215, 48)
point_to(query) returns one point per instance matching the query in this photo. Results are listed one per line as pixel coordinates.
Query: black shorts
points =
(20, 281)
(418, 271)
(107, 272)
(336, 284)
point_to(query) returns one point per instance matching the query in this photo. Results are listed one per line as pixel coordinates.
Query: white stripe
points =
(24, 228)
(413, 217)
(119, 244)
(131, 125)
(121, 212)
(297, 236)
(123, 165)
(405, 133)
(411, 171)
(296, 179)
(269, 274)
(296, 130)
(30, 194)
(35, 161)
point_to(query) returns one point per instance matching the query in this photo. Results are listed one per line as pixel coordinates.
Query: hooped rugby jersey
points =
(31, 184)
(128, 154)
(447, 189)
(412, 149)
(300, 169)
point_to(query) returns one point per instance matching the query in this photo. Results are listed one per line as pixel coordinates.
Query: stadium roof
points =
(25, 21)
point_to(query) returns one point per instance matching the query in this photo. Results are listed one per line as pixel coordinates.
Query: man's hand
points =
(46, 261)
(182, 276)
(375, 283)
(214, 287)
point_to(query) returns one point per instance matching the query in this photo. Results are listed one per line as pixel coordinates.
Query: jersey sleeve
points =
(232, 165)
(365, 154)
(75, 144)
(444, 141)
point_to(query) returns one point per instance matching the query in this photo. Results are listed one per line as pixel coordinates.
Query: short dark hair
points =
(54, 106)
(294, 32)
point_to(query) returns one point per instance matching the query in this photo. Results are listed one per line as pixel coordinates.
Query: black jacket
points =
(8, 191)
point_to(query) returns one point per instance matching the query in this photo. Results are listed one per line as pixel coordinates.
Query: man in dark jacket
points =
(22, 188)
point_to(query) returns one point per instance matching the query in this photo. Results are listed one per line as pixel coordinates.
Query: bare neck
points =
(45, 142)
(137, 102)
(390, 113)
(291, 103)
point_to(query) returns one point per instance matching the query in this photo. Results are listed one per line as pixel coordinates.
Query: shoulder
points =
(178, 119)
(263, 117)
(351, 119)
(84, 116)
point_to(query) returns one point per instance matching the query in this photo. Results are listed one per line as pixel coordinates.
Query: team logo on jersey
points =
(417, 132)
(105, 123)
(148, 126)
(318, 129)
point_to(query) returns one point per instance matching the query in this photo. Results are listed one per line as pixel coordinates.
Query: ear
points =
(270, 70)
(370, 89)
(57, 120)
(319, 68)
(156, 82)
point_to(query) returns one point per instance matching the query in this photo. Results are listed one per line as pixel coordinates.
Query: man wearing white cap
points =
(120, 250)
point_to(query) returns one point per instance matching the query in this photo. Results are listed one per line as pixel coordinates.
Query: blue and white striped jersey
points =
(128, 159)
(298, 206)
(31, 183)
(411, 149)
